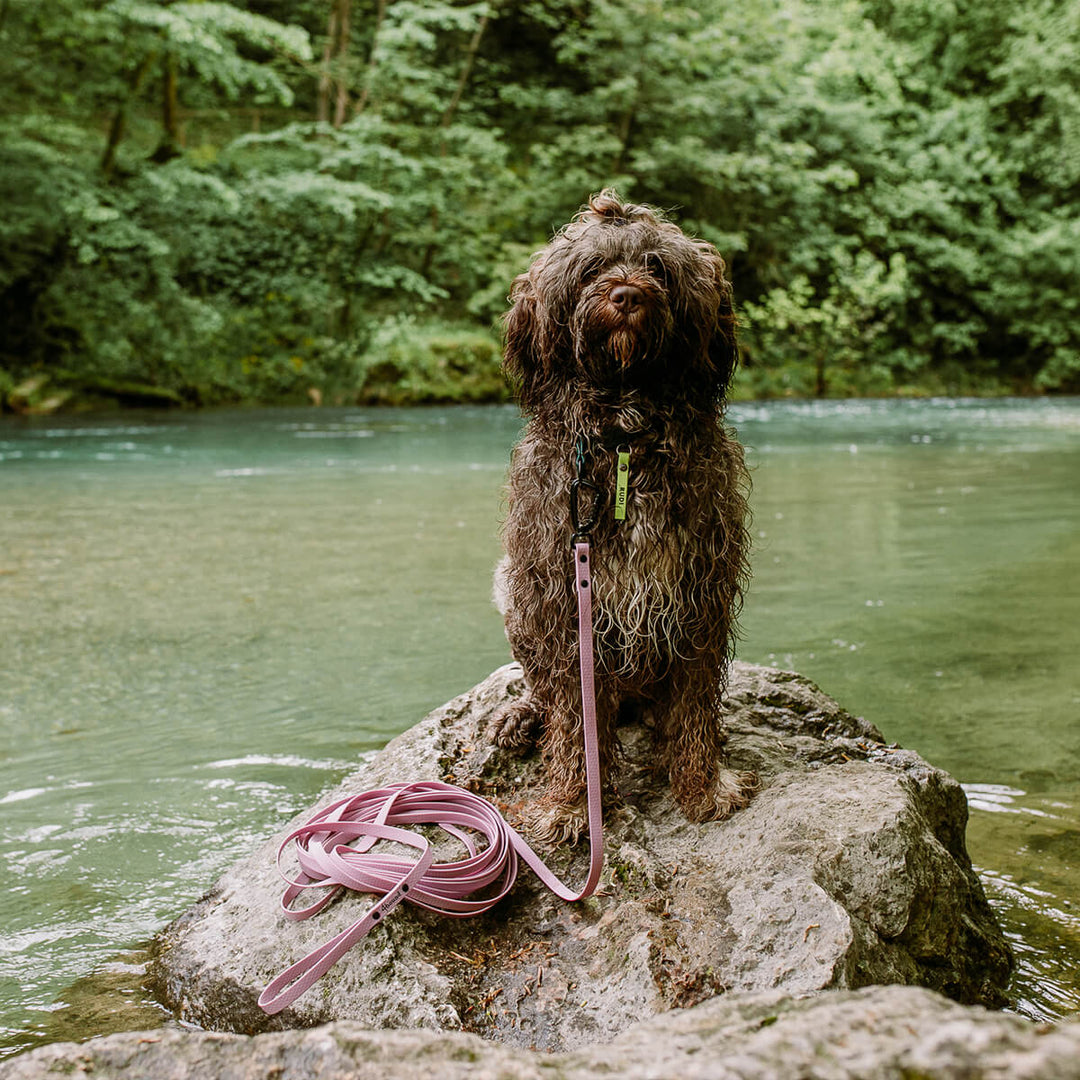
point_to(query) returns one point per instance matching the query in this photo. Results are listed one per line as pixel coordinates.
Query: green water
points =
(205, 619)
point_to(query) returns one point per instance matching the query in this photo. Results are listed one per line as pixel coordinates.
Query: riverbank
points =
(405, 364)
(433, 364)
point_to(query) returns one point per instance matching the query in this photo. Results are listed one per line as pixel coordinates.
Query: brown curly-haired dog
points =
(621, 337)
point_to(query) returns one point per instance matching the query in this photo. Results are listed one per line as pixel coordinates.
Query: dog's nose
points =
(627, 298)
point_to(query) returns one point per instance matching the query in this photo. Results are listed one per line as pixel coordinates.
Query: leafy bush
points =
(434, 363)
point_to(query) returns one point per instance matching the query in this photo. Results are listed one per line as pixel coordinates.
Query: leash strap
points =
(334, 846)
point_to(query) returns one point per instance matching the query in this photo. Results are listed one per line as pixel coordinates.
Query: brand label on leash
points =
(622, 480)
(621, 483)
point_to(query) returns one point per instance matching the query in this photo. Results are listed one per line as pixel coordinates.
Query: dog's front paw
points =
(730, 791)
(548, 821)
(516, 725)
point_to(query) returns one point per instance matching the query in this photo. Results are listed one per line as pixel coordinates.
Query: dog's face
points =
(622, 300)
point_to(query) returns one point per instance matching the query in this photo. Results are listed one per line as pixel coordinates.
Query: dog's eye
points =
(655, 266)
(591, 270)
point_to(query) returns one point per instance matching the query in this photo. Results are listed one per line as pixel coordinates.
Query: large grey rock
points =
(847, 869)
(883, 1033)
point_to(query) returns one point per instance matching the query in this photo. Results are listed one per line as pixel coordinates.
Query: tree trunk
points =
(342, 103)
(323, 108)
(169, 147)
(448, 118)
(369, 74)
(119, 120)
(463, 81)
(626, 124)
(333, 80)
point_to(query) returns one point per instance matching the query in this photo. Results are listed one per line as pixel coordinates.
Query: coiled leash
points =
(327, 859)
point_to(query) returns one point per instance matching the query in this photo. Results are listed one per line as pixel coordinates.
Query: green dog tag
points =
(622, 480)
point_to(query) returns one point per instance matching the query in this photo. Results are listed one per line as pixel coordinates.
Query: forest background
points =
(326, 200)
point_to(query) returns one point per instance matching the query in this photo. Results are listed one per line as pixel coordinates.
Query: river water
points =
(206, 618)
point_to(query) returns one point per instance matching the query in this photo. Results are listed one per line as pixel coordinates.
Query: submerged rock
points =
(847, 869)
(875, 1034)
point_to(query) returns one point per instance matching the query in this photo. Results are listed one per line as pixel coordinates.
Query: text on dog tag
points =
(622, 480)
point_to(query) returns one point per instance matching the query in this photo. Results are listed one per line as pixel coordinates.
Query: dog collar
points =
(613, 436)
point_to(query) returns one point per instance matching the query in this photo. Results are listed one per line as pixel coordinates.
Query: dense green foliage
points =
(206, 201)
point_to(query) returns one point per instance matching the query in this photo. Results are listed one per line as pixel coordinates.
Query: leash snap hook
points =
(583, 528)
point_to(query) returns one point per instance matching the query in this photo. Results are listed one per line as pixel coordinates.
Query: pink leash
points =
(327, 860)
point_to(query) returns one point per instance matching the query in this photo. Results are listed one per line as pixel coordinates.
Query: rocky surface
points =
(882, 1033)
(847, 869)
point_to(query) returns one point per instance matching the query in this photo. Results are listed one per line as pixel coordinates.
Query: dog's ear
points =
(522, 363)
(723, 348)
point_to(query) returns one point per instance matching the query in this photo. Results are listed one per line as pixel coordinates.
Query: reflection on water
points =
(205, 619)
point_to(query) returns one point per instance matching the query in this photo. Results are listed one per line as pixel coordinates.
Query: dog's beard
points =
(626, 348)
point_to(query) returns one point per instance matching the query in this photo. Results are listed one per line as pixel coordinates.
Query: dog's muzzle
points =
(619, 323)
